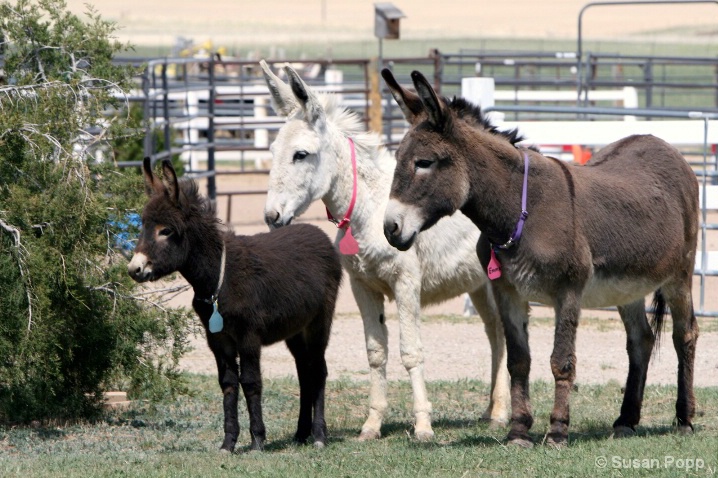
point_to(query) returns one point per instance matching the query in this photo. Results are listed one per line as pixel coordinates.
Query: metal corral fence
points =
(216, 114)
(210, 107)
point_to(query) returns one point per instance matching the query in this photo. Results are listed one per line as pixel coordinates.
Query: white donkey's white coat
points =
(442, 265)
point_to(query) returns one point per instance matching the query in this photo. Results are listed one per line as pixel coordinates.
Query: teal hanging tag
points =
(216, 322)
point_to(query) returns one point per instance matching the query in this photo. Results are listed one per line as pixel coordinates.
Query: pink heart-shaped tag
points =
(494, 269)
(348, 245)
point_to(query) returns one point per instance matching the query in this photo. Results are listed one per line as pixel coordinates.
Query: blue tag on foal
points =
(216, 322)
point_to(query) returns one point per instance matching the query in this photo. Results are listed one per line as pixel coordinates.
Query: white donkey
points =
(322, 153)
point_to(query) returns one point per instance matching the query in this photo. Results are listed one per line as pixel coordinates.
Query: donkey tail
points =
(659, 314)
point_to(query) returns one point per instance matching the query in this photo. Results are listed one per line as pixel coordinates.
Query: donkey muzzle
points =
(398, 227)
(394, 236)
(275, 220)
(140, 268)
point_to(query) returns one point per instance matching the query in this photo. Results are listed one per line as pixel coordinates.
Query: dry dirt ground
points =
(454, 348)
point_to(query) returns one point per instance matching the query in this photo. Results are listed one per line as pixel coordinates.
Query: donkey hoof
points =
(368, 435)
(521, 442)
(224, 451)
(424, 435)
(319, 445)
(257, 445)
(684, 430)
(557, 441)
(228, 445)
(494, 423)
(623, 431)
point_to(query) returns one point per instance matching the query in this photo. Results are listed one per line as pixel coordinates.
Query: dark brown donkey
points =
(249, 291)
(608, 233)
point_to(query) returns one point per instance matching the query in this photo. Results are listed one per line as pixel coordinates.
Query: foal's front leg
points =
(228, 375)
(563, 365)
(251, 380)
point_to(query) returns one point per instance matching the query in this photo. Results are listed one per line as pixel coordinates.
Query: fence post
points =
(375, 109)
(480, 91)
(648, 79)
(147, 144)
(166, 111)
(211, 181)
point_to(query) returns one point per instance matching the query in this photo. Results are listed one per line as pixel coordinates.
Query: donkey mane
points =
(197, 207)
(190, 195)
(468, 111)
(350, 124)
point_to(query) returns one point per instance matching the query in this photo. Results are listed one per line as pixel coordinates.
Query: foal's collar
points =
(524, 213)
(215, 296)
(347, 217)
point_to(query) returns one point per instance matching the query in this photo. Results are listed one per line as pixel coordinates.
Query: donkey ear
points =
(152, 185)
(282, 98)
(170, 180)
(432, 105)
(305, 96)
(409, 102)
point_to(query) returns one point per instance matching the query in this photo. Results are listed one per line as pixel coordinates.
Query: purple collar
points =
(524, 213)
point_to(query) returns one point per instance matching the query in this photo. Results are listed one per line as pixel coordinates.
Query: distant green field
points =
(421, 48)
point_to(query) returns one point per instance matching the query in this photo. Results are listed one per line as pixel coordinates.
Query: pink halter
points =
(348, 245)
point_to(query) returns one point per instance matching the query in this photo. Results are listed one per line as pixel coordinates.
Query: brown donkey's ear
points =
(280, 93)
(409, 102)
(152, 185)
(170, 180)
(432, 105)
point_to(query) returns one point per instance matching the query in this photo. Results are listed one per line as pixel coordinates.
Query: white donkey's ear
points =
(306, 97)
(281, 95)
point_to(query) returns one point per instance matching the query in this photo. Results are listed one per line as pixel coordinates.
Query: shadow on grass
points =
(480, 433)
(287, 442)
(584, 434)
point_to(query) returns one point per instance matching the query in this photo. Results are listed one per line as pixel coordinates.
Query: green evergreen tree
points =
(72, 323)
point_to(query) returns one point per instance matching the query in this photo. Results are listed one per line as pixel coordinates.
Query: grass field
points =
(181, 438)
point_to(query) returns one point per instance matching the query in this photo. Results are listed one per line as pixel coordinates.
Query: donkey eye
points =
(299, 155)
(165, 231)
(423, 163)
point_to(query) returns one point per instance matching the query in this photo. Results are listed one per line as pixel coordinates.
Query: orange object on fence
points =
(580, 155)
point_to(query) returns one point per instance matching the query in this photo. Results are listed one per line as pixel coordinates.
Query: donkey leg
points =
(407, 293)
(514, 313)
(312, 370)
(497, 412)
(371, 307)
(317, 340)
(318, 367)
(639, 344)
(298, 347)
(685, 336)
(563, 365)
(251, 379)
(228, 375)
